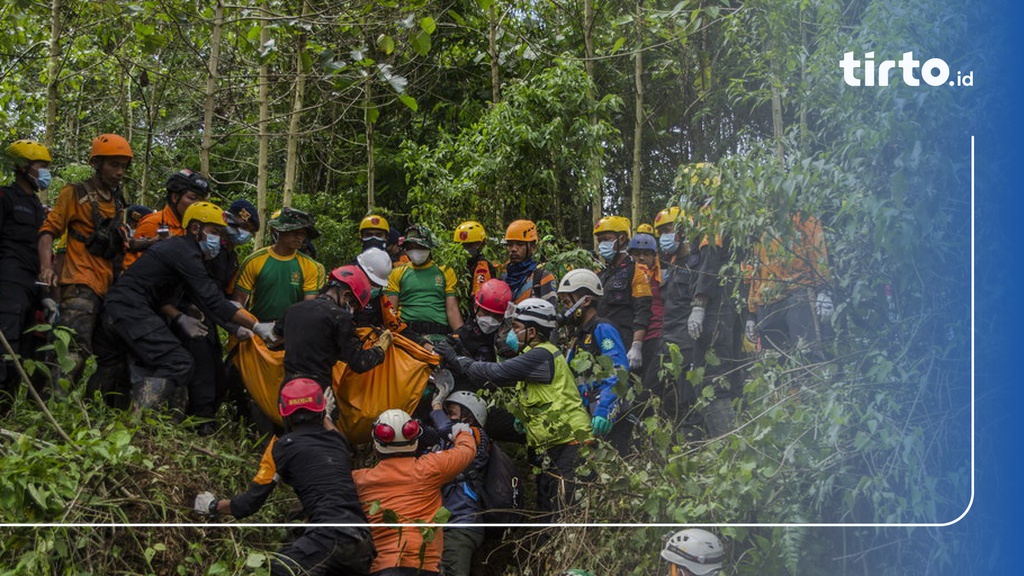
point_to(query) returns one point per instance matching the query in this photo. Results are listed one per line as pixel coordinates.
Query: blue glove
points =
(601, 425)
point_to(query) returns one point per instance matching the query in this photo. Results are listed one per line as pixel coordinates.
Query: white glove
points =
(192, 327)
(203, 503)
(330, 402)
(52, 311)
(751, 331)
(634, 356)
(444, 382)
(823, 305)
(265, 330)
(458, 428)
(695, 322)
(243, 333)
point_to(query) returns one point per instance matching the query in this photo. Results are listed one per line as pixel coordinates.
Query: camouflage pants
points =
(79, 311)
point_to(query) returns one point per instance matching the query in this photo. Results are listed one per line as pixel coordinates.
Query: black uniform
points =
(317, 464)
(317, 334)
(21, 214)
(624, 310)
(166, 272)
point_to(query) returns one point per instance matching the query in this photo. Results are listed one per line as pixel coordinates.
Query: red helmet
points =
(301, 394)
(494, 296)
(356, 280)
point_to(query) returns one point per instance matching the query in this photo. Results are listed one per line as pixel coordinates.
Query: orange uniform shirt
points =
(148, 227)
(785, 264)
(80, 267)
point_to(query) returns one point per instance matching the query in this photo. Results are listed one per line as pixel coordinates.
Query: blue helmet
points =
(643, 242)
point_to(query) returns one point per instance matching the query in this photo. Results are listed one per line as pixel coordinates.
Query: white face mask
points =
(488, 324)
(418, 256)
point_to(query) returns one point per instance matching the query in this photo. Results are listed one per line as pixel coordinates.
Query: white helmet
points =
(581, 279)
(377, 265)
(395, 432)
(536, 311)
(699, 551)
(471, 402)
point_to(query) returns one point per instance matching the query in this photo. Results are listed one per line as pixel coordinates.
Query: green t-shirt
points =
(421, 291)
(274, 282)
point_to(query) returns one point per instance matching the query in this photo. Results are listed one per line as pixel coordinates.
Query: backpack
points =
(106, 240)
(499, 489)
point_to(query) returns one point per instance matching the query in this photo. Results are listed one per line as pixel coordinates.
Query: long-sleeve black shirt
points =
(21, 215)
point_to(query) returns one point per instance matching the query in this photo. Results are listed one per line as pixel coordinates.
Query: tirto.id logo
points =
(934, 72)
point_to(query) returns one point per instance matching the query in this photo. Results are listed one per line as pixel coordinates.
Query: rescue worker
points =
(21, 214)
(133, 215)
(627, 300)
(547, 401)
(523, 274)
(91, 213)
(378, 312)
(676, 281)
(318, 333)
(788, 302)
(315, 459)
(580, 292)
(273, 278)
(462, 496)
(424, 291)
(645, 229)
(713, 322)
(410, 488)
(693, 552)
(472, 236)
(373, 232)
(161, 367)
(183, 188)
(643, 248)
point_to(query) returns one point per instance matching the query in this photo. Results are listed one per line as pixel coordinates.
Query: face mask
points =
(607, 249)
(374, 242)
(43, 179)
(668, 243)
(418, 256)
(243, 237)
(488, 324)
(210, 246)
(512, 340)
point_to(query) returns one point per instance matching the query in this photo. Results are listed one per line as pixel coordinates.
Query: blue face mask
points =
(210, 246)
(512, 340)
(243, 237)
(607, 249)
(668, 243)
(44, 178)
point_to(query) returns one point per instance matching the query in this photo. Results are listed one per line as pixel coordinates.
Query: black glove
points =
(447, 353)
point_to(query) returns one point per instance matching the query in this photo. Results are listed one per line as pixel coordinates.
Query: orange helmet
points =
(521, 231)
(110, 145)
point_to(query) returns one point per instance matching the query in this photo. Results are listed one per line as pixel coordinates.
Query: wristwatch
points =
(213, 506)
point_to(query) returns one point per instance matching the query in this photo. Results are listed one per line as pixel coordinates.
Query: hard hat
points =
(374, 222)
(522, 231)
(699, 551)
(470, 231)
(643, 242)
(376, 264)
(355, 279)
(420, 235)
(471, 402)
(395, 432)
(205, 212)
(23, 152)
(184, 180)
(494, 296)
(645, 229)
(619, 224)
(536, 312)
(666, 216)
(581, 279)
(301, 394)
(110, 145)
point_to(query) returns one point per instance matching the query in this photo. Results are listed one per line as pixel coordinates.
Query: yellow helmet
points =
(666, 216)
(522, 231)
(205, 212)
(374, 222)
(645, 229)
(24, 152)
(612, 224)
(470, 231)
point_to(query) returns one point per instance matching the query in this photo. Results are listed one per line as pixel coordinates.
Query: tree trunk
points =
(263, 152)
(292, 151)
(492, 50)
(638, 127)
(777, 128)
(211, 88)
(52, 70)
(594, 171)
(370, 182)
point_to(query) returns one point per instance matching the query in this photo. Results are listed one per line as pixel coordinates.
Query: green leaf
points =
(385, 44)
(409, 101)
(428, 25)
(255, 560)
